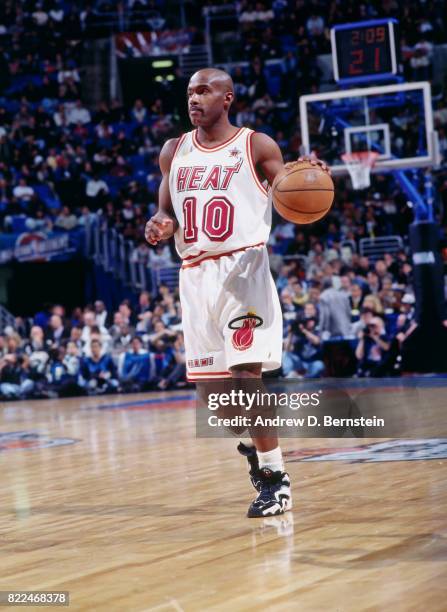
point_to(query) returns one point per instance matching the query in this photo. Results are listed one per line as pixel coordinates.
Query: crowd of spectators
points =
(57, 155)
(271, 29)
(62, 161)
(341, 299)
(333, 297)
(91, 351)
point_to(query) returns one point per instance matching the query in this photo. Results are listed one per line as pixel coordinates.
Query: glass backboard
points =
(395, 121)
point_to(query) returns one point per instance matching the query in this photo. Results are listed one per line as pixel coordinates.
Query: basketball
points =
(303, 194)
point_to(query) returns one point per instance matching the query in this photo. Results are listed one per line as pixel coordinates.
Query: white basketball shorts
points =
(231, 313)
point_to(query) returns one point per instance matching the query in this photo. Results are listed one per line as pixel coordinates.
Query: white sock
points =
(247, 442)
(271, 459)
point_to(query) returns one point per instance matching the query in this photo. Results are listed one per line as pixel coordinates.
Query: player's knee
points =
(246, 370)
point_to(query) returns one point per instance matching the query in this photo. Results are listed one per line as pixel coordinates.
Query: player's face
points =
(206, 101)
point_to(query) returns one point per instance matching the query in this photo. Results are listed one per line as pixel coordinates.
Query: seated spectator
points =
(366, 316)
(60, 118)
(63, 372)
(96, 191)
(76, 337)
(302, 352)
(373, 302)
(13, 341)
(421, 61)
(177, 375)
(161, 333)
(66, 220)
(258, 12)
(15, 379)
(37, 350)
(315, 25)
(300, 296)
(91, 329)
(98, 371)
(115, 328)
(72, 360)
(78, 114)
(144, 304)
(37, 341)
(101, 315)
(355, 301)
(373, 281)
(170, 315)
(160, 256)
(372, 349)
(56, 332)
(289, 307)
(138, 112)
(407, 307)
(23, 192)
(56, 368)
(68, 73)
(134, 367)
(122, 338)
(126, 312)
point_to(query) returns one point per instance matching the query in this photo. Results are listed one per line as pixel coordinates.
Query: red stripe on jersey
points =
(208, 376)
(219, 255)
(217, 147)
(252, 165)
(179, 143)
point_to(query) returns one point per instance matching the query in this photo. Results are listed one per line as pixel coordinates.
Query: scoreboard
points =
(364, 51)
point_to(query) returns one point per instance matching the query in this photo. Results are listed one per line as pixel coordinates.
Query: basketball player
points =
(214, 201)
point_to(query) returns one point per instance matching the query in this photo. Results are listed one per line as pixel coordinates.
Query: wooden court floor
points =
(114, 500)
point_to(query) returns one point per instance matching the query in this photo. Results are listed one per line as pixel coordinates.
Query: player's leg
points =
(251, 320)
(264, 457)
(204, 350)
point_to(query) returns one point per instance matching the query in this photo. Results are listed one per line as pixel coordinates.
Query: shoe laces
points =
(270, 482)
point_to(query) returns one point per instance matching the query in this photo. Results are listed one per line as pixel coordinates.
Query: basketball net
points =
(359, 166)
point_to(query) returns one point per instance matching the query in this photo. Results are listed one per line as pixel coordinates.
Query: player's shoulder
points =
(168, 152)
(263, 146)
(261, 138)
(169, 148)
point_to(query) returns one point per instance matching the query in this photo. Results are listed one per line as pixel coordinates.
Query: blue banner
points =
(41, 246)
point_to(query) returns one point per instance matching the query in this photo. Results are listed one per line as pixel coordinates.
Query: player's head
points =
(210, 94)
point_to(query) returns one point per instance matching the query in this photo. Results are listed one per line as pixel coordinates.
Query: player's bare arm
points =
(268, 158)
(163, 224)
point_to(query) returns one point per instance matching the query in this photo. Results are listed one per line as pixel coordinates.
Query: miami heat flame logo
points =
(242, 338)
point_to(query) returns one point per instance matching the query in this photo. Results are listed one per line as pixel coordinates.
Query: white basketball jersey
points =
(218, 200)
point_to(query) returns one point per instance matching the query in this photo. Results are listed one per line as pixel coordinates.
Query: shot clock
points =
(364, 51)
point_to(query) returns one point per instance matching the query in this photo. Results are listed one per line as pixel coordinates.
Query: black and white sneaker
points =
(274, 495)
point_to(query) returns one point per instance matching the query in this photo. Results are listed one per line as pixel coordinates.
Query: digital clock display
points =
(364, 51)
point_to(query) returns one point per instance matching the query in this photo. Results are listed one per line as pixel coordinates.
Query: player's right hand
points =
(160, 227)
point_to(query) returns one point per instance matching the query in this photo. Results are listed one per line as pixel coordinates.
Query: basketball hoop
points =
(359, 166)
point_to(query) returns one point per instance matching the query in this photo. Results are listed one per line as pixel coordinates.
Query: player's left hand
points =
(312, 159)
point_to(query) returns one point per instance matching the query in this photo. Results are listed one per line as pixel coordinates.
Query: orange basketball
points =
(303, 194)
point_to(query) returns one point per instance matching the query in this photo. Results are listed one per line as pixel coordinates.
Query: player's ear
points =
(228, 100)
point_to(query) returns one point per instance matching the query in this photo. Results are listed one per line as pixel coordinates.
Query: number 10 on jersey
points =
(217, 219)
